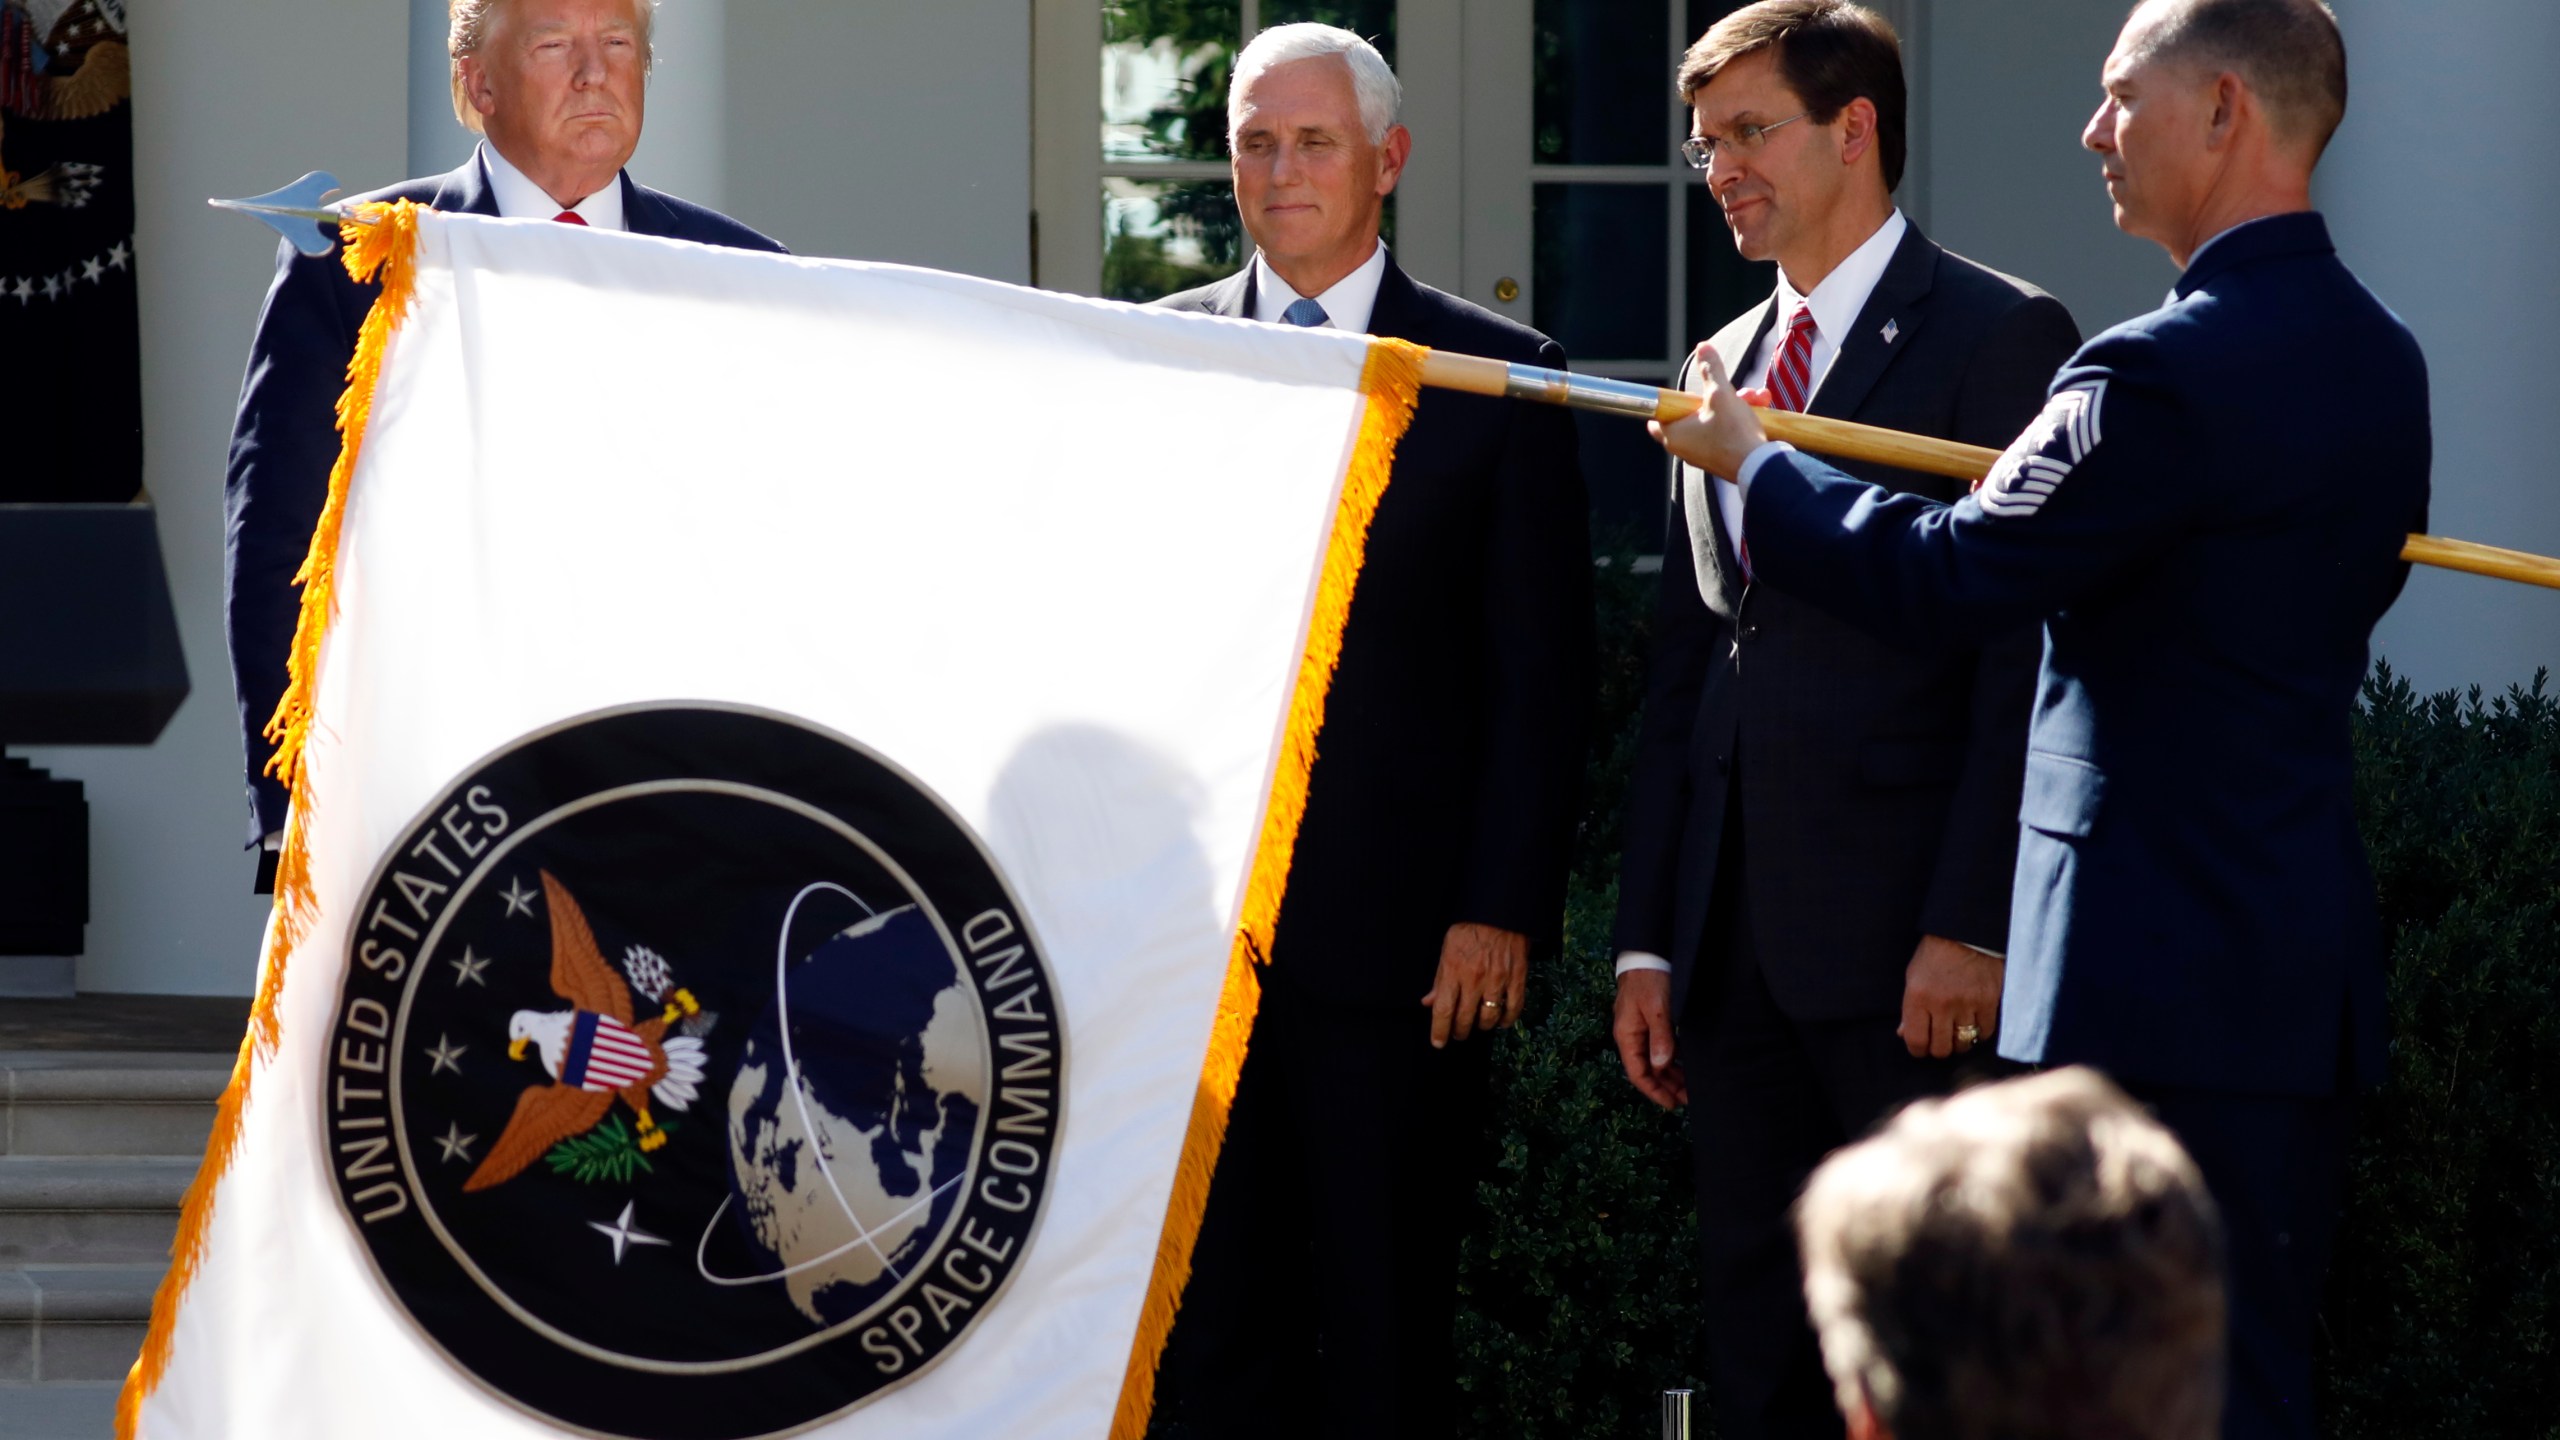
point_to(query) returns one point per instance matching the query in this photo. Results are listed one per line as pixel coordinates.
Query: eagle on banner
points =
(593, 1052)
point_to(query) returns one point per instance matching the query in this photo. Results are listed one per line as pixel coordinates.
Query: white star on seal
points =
(24, 290)
(621, 1232)
(467, 968)
(53, 287)
(519, 900)
(447, 1055)
(92, 268)
(120, 254)
(455, 1144)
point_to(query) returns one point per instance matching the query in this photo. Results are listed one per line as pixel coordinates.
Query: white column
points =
(2445, 200)
(684, 144)
(437, 141)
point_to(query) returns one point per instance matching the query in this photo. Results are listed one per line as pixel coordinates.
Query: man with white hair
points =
(1432, 855)
(555, 89)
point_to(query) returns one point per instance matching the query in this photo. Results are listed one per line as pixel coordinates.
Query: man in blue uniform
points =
(2208, 517)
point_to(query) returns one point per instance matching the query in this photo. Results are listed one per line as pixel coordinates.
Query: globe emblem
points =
(855, 1112)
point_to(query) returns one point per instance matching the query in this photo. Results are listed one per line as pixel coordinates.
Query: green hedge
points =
(1578, 1284)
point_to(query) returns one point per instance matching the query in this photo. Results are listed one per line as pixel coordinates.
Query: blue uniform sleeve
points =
(2092, 489)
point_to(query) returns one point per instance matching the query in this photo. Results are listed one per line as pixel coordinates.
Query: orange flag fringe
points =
(385, 248)
(1392, 379)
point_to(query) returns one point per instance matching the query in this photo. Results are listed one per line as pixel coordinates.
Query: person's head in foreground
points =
(2032, 1260)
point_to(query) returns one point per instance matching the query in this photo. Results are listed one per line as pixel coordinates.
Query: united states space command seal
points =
(696, 1075)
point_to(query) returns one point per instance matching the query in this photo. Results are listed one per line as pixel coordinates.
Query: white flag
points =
(799, 751)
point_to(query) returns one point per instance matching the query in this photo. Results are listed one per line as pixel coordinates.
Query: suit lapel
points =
(641, 212)
(466, 191)
(1898, 302)
(1231, 297)
(1719, 570)
(1397, 312)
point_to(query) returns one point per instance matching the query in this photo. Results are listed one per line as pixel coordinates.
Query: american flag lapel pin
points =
(1892, 328)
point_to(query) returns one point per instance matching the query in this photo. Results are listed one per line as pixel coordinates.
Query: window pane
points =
(1601, 268)
(1164, 78)
(1373, 20)
(1159, 236)
(1603, 91)
(1721, 283)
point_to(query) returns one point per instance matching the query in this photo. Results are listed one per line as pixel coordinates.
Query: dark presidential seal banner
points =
(68, 317)
(695, 1074)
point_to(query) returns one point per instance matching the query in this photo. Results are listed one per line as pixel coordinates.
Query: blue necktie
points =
(1305, 312)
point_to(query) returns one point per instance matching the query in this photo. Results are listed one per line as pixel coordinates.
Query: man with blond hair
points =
(555, 89)
(2034, 1260)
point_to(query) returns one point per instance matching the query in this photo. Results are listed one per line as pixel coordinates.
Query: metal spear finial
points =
(301, 212)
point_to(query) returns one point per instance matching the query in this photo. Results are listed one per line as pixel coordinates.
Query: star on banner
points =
(457, 1146)
(92, 268)
(447, 1055)
(519, 899)
(623, 1233)
(120, 254)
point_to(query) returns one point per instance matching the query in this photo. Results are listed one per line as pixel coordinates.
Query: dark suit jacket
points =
(284, 438)
(1878, 783)
(1446, 776)
(2208, 516)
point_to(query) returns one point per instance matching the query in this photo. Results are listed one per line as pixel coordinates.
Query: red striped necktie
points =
(570, 217)
(1790, 384)
(1791, 376)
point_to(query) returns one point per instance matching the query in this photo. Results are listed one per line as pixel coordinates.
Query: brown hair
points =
(2289, 51)
(2033, 1260)
(1829, 52)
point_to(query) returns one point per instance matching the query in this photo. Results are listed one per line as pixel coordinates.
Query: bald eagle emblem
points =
(595, 1051)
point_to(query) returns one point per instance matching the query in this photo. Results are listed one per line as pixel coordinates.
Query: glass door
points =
(1583, 222)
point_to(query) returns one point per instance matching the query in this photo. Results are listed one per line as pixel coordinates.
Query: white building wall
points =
(2443, 194)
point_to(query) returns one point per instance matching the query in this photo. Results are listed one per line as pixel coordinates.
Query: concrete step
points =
(94, 1210)
(58, 1412)
(95, 1102)
(73, 1324)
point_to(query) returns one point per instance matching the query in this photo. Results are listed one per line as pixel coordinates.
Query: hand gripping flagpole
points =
(1849, 441)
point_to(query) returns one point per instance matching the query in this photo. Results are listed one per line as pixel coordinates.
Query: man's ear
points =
(1397, 148)
(1857, 130)
(476, 86)
(2230, 96)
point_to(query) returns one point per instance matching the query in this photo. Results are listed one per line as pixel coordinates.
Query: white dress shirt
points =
(520, 199)
(1346, 305)
(1837, 302)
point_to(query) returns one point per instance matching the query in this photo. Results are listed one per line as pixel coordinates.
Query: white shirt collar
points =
(520, 199)
(1346, 305)
(1842, 296)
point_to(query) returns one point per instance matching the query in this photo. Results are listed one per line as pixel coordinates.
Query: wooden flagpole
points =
(1851, 441)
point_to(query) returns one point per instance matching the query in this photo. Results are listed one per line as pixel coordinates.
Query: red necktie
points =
(570, 217)
(1791, 377)
(1790, 382)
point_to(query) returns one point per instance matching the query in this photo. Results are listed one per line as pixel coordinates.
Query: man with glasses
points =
(1820, 826)
(2207, 518)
